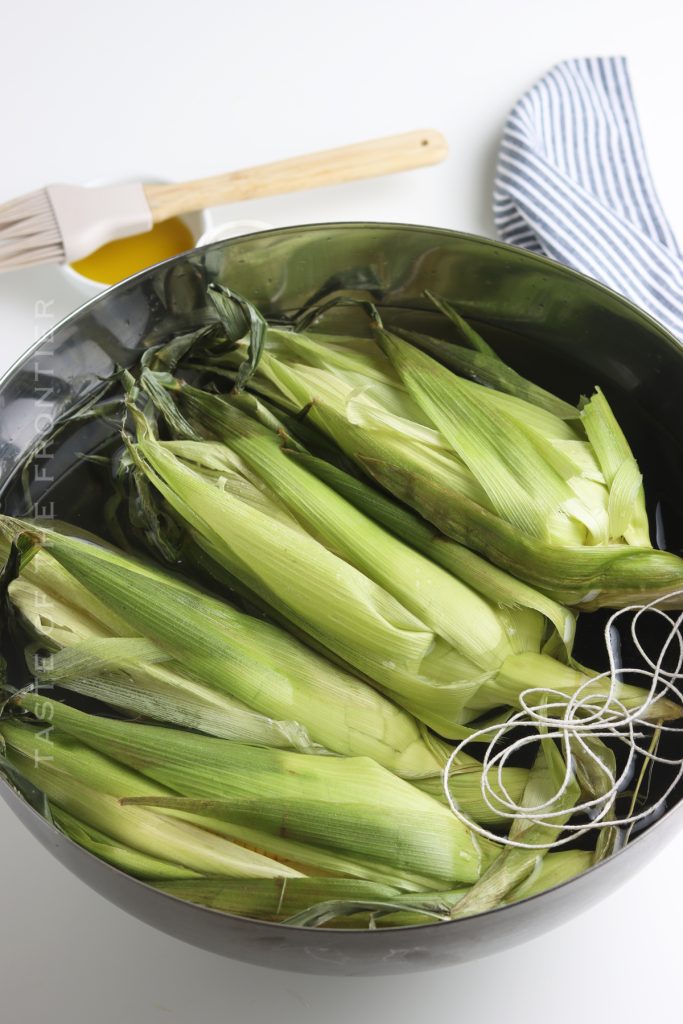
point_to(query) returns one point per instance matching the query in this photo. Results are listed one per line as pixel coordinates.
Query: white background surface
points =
(182, 90)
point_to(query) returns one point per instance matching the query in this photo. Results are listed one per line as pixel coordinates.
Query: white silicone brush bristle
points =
(63, 223)
(29, 233)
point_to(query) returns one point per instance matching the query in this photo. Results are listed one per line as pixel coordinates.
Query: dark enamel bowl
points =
(566, 330)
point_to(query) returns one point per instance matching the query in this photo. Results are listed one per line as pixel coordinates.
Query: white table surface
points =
(182, 90)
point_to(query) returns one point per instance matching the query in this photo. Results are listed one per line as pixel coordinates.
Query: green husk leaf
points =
(275, 900)
(627, 512)
(595, 769)
(464, 564)
(465, 787)
(520, 485)
(514, 864)
(468, 334)
(249, 659)
(59, 773)
(127, 672)
(364, 809)
(552, 870)
(483, 368)
(240, 317)
(140, 865)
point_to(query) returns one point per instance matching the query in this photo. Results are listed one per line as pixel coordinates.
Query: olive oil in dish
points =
(126, 256)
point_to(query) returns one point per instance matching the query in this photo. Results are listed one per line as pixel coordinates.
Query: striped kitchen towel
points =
(573, 183)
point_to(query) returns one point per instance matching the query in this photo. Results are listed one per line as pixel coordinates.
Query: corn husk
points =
(252, 661)
(131, 673)
(472, 357)
(411, 909)
(516, 865)
(59, 771)
(553, 498)
(89, 774)
(435, 644)
(125, 858)
(349, 805)
(340, 903)
(275, 902)
(330, 902)
(552, 870)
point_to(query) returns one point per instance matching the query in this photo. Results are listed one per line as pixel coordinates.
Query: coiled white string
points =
(572, 722)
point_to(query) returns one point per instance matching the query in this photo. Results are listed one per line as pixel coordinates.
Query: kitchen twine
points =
(576, 720)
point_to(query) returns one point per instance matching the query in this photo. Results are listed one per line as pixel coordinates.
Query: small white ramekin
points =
(232, 229)
(200, 224)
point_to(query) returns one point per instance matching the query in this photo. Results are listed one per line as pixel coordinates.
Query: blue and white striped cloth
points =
(573, 183)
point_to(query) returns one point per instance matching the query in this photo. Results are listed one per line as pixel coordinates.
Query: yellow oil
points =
(118, 260)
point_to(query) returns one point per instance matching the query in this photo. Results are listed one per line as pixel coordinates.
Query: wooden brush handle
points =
(329, 167)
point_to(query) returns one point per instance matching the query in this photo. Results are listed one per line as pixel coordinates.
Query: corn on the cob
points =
(136, 675)
(350, 805)
(252, 661)
(549, 492)
(60, 771)
(434, 643)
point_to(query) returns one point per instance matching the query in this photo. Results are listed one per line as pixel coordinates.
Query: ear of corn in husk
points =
(498, 587)
(60, 771)
(553, 498)
(252, 661)
(77, 652)
(347, 804)
(128, 673)
(78, 777)
(351, 584)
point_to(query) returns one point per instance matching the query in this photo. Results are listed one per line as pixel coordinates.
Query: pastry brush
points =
(64, 223)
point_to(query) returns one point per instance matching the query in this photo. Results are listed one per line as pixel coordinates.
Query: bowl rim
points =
(355, 225)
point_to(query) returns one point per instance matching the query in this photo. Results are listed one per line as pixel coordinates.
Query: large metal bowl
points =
(576, 334)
